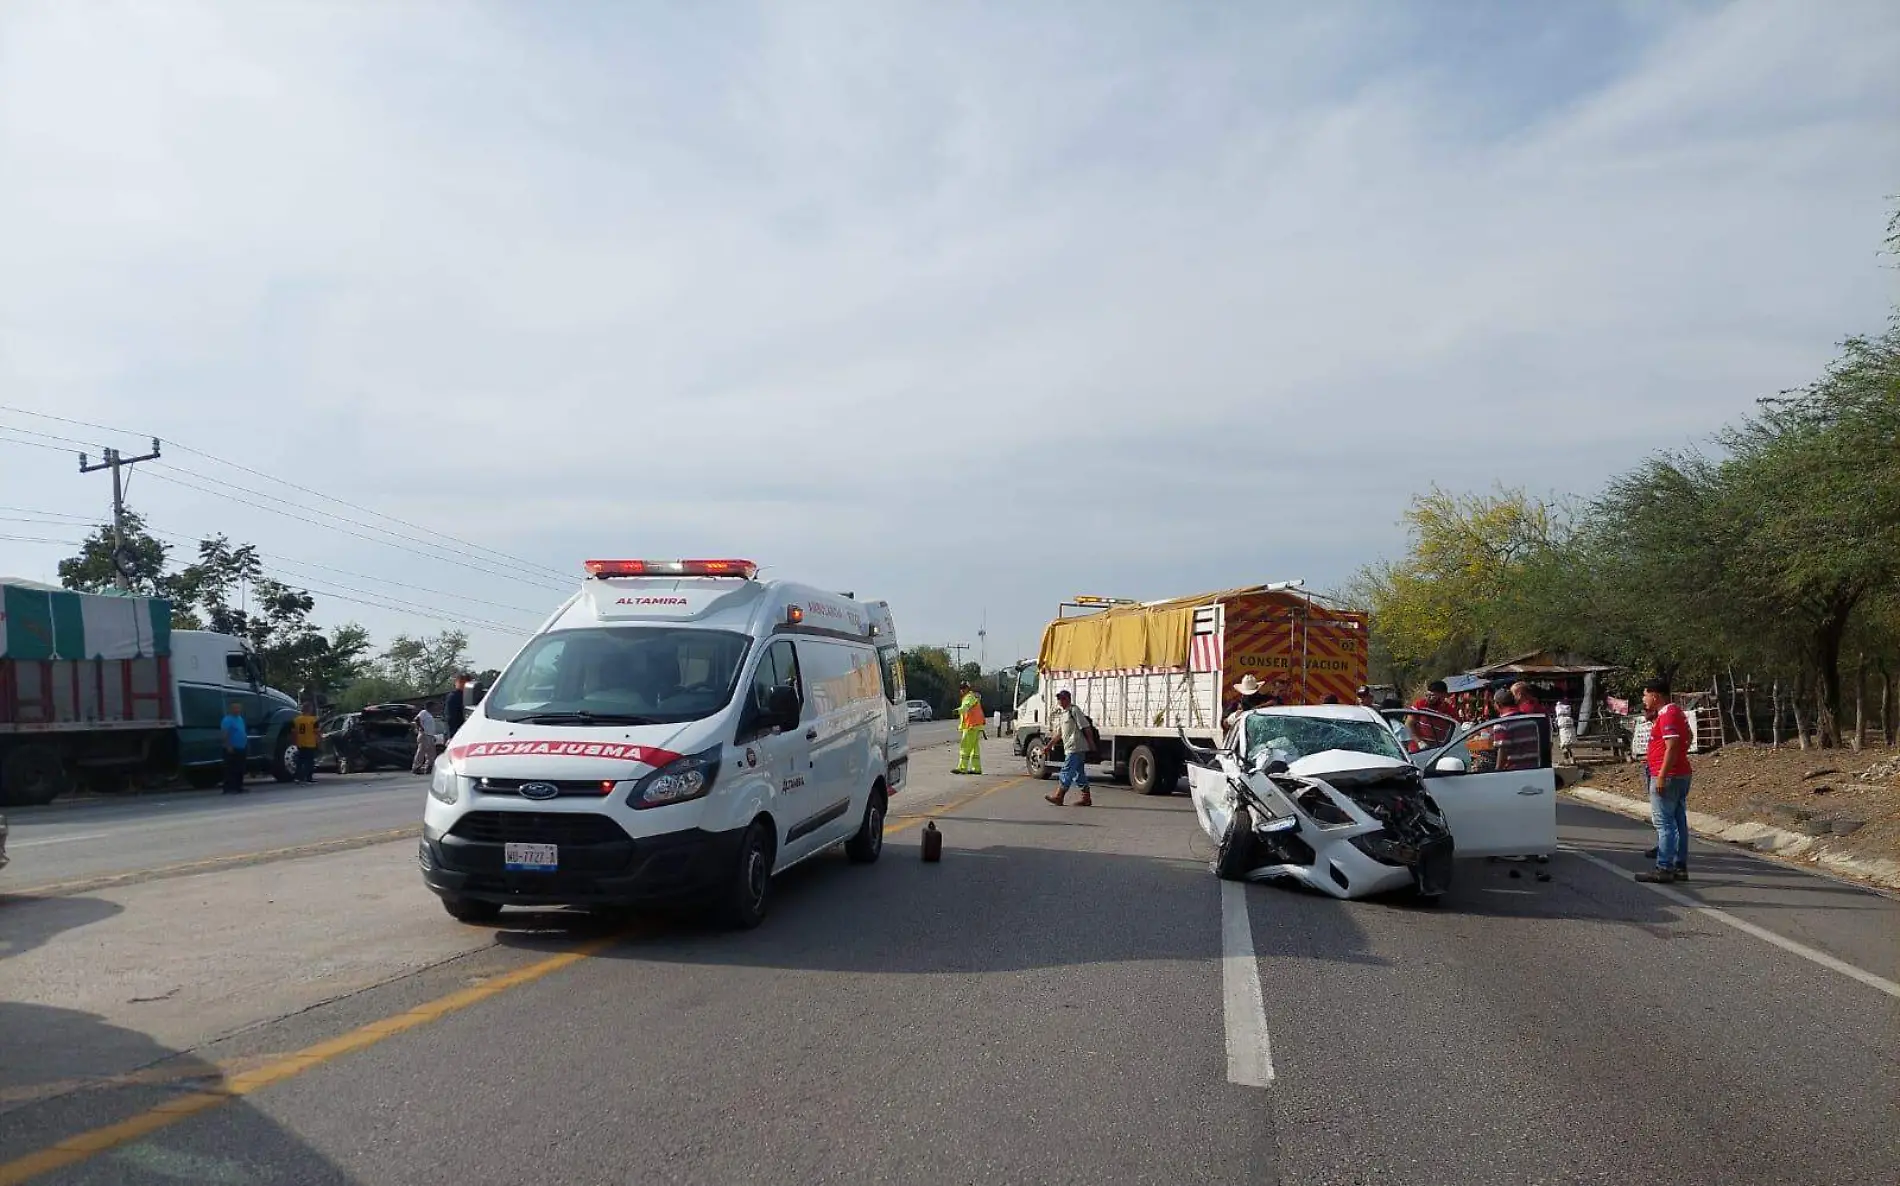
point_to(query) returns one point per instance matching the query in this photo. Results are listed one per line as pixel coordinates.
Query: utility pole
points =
(114, 462)
(959, 648)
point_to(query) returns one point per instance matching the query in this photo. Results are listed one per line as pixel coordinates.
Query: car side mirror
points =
(782, 706)
(1449, 766)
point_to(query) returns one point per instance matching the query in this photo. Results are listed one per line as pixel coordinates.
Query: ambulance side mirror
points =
(782, 706)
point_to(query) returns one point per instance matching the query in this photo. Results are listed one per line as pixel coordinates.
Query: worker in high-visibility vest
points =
(970, 721)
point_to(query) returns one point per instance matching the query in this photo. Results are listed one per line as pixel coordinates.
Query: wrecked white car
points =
(1328, 797)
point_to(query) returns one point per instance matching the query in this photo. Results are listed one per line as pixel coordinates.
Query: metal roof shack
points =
(1543, 665)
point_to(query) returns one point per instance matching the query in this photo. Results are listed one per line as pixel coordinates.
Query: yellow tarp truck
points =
(1144, 673)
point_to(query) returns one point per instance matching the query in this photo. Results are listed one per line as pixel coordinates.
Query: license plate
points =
(529, 858)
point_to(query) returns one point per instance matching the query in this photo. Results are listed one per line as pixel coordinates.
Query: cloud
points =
(973, 309)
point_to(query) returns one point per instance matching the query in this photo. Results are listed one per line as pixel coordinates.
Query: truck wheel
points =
(32, 775)
(1145, 772)
(1036, 758)
(282, 755)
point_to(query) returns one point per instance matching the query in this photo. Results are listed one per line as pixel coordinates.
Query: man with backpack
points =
(1070, 726)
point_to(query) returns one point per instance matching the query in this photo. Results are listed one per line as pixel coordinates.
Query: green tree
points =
(93, 570)
(424, 665)
(930, 676)
(339, 661)
(1459, 592)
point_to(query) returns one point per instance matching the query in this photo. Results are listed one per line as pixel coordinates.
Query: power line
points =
(292, 562)
(49, 436)
(34, 539)
(43, 518)
(345, 531)
(294, 486)
(32, 444)
(418, 611)
(491, 566)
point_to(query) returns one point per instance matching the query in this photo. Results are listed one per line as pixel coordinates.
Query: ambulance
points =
(677, 732)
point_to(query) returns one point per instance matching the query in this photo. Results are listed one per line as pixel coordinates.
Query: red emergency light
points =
(745, 570)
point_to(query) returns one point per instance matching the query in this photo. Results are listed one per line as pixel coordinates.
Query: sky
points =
(972, 308)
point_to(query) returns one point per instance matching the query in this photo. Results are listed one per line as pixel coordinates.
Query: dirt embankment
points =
(1849, 803)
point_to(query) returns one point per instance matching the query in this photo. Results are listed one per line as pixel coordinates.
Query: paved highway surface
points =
(80, 842)
(1070, 996)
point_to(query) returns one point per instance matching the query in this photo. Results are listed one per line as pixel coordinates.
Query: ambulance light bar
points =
(745, 570)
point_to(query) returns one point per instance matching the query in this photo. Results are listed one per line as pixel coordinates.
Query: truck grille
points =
(537, 827)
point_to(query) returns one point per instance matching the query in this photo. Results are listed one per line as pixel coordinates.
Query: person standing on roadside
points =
(970, 736)
(1067, 724)
(236, 748)
(1527, 701)
(1667, 771)
(1433, 733)
(457, 708)
(425, 741)
(303, 732)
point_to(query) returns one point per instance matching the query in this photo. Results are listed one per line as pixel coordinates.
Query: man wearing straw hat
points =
(1253, 694)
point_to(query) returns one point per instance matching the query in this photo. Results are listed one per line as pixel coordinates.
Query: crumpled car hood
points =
(1344, 765)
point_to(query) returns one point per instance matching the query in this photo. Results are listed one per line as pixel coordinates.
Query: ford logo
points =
(538, 790)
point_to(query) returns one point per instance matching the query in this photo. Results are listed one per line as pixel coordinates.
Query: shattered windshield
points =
(1291, 738)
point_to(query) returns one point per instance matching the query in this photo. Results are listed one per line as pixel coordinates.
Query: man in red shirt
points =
(1437, 698)
(1668, 778)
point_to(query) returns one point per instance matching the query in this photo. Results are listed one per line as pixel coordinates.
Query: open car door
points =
(1497, 788)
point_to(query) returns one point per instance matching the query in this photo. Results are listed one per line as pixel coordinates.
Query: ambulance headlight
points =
(444, 784)
(686, 778)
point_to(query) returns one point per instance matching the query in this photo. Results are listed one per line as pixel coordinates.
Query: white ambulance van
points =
(678, 731)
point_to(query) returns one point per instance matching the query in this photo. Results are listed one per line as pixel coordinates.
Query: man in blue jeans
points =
(1065, 726)
(1668, 771)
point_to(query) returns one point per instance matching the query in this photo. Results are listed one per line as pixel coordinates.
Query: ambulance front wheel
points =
(748, 891)
(469, 910)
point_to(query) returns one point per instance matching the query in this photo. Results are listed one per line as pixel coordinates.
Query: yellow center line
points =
(78, 1148)
(911, 821)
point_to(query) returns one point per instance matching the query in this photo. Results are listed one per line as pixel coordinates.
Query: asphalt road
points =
(80, 842)
(1070, 996)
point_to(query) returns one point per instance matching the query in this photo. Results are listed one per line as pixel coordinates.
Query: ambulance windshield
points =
(616, 676)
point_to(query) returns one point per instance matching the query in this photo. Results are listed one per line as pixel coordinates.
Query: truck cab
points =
(212, 671)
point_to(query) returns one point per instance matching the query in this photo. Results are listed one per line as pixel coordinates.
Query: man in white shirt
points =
(425, 741)
(1066, 725)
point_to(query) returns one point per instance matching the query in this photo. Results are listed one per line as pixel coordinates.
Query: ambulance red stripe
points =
(613, 751)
